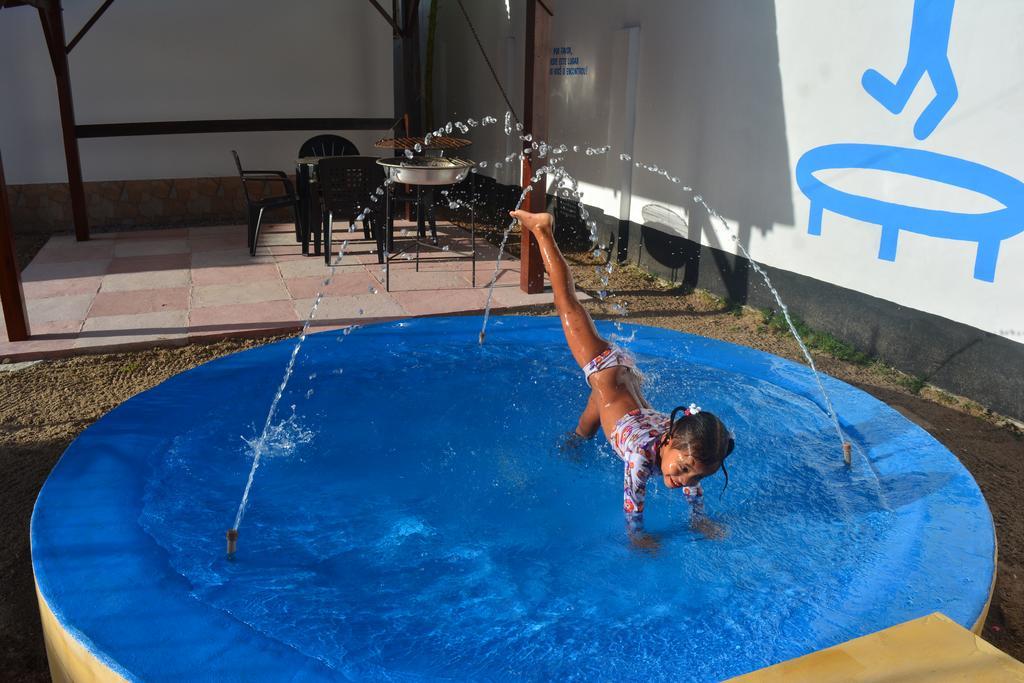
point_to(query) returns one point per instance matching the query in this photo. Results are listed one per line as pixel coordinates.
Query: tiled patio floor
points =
(172, 286)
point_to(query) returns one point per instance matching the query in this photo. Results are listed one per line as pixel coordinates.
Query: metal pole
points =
(472, 227)
(387, 236)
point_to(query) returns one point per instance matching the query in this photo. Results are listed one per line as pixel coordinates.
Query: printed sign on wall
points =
(565, 63)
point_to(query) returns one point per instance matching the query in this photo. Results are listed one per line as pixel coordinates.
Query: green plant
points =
(913, 383)
(815, 339)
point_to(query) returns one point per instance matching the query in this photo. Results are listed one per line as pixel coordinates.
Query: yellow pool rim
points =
(980, 623)
(70, 661)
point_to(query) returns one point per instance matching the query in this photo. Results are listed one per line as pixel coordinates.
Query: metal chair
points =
(346, 184)
(256, 207)
(327, 146)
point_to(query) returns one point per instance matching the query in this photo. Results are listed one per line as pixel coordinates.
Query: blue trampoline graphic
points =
(929, 42)
(987, 229)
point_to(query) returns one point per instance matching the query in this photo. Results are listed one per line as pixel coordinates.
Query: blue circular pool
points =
(418, 517)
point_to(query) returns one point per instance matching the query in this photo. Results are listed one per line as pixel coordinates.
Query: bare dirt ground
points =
(45, 406)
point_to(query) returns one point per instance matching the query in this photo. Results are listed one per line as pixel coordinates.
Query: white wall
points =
(732, 93)
(152, 60)
(464, 86)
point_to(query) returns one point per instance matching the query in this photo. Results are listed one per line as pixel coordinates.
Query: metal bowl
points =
(426, 170)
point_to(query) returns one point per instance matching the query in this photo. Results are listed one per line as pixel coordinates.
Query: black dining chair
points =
(346, 185)
(327, 146)
(256, 206)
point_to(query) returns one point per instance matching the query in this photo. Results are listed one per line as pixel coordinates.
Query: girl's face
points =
(679, 468)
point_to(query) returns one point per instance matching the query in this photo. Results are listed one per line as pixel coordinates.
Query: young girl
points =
(685, 447)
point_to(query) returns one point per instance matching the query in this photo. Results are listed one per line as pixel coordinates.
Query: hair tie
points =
(692, 410)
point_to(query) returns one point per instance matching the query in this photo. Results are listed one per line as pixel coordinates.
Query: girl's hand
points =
(710, 530)
(540, 224)
(648, 543)
(569, 445)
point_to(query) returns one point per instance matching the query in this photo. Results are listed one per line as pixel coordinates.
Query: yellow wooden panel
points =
(932, 648)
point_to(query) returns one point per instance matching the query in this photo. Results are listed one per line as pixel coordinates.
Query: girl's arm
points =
(590, 420)
(699, 521)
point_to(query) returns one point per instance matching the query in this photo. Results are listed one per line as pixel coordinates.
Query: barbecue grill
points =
(426, 170)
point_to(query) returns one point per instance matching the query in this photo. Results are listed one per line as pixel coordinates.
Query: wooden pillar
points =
(406, 35)
(535, 122)
(50, 15)
(11, 295)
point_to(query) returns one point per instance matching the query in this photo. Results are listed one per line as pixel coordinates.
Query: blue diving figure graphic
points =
(929, 42)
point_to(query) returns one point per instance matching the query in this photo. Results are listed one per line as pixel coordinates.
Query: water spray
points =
(591, 151)
(261, 443)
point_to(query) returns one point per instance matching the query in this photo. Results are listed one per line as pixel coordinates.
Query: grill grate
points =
(410, 143)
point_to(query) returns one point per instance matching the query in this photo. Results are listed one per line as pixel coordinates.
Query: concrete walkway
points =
(138, 289)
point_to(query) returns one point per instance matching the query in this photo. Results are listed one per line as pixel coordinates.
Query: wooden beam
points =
(114, 130)
(407, 68)
(394, 26)
(38, 4)
(535, 122)
(11, 294)
(88, 25)
(53, 28)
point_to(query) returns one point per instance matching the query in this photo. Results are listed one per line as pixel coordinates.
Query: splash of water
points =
(497, 265)
(284, 437)
(568, 186)
(272, 431)
(603, 293)
(785, 314)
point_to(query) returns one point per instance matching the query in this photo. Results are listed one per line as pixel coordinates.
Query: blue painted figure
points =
(929, 42)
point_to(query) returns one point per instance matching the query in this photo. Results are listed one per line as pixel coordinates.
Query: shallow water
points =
(418, 518)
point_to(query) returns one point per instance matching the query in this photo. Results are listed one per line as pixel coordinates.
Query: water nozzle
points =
(232, 541)
(847, 452)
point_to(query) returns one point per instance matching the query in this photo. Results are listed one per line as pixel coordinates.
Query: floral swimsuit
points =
(635, 440)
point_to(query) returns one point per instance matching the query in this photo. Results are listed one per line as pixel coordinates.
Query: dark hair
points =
(706, 437)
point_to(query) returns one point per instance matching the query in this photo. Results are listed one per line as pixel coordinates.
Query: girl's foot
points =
(537, 223)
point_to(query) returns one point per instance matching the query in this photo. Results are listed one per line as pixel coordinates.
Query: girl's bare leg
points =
(584, 341)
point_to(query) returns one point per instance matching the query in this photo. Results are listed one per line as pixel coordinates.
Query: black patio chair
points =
(327, 146)
(346, 183)
(256, 207)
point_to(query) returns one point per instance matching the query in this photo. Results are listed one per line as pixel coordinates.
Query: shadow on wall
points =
(724, 115)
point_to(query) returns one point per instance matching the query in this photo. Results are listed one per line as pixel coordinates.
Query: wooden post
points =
(535, 122)
(406, 69)
(50, 15)
(11, 295)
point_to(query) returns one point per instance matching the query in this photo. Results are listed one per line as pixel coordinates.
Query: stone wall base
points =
(126, 204)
